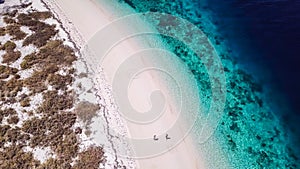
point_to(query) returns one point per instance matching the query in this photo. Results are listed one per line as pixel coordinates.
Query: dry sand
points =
(88, 17)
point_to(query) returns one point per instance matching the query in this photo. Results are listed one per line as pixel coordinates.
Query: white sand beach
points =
(88, 17)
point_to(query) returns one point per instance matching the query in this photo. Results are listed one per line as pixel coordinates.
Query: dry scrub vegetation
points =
(51, 124)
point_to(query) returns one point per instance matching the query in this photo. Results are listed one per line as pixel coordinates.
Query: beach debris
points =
(155, 138)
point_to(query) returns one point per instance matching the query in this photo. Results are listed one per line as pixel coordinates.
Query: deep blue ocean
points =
(267, 33)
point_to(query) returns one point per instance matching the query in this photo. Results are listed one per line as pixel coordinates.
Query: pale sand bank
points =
(90, 16)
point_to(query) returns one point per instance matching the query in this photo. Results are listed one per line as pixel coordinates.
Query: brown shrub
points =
(55, 163)
(2, 31)
(41, 36)
(53, 53)
(32, 20)
(60, 136)
(3, 129)
(86, 111)
(34, 126)
(2, 69)
(68, 148)
(10, 100)
(13, 120)
(6, 71)
(13, 70)
(12, 135)
(15, 31)
(8, 46)
(26, 20)
(24, 65)
(25, 102)
(8, 20)
(59, 81)
(4, 76)
(17, 76)
(1, 116)
(39, 26)
(11, 56)
(57, 53)
(11, 87)
(13, 157)
(51, 68)
(28, 61)
(8, 112)
(12, 13)
(36, 82)
(54, 102)
(63, 121)
(78, 130)
(40, 15)
(90, 158)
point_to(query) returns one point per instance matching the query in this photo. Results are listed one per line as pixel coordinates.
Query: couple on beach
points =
(156, 138)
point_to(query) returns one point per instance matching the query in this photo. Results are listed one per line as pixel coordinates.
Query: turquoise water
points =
(250, 134)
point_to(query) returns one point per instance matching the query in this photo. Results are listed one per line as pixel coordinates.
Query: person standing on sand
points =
(167, 137)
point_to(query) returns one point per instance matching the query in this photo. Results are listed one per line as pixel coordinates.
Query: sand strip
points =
(88, 17)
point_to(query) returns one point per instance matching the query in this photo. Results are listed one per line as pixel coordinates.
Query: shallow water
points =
(252, 131)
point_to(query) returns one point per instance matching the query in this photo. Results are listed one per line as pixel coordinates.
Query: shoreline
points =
(103, 98)
(182, 148)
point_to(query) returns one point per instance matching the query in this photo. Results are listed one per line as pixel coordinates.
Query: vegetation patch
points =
(6, 71)
(12, 13)
(26, 20)
(41, 36)
(86, 111)
(8, 46)
(90, 158)
(56, 53)
(2, 31)
(59, 81)
(15, 31)
(54, 102)
(51, 124)
(53, 53)
(13, 157)
(10, 88)
(8, 20)
(25, 102)
(37, 15)
(13, 119)
(36, 82)
(28, 61)
(11, 56)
